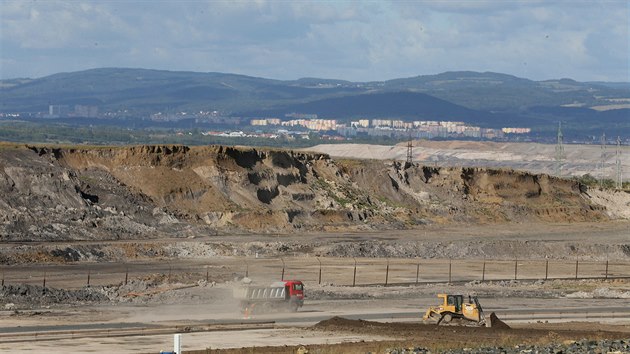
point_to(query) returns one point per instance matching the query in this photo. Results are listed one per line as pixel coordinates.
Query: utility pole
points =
(559, 151)
(618, 180)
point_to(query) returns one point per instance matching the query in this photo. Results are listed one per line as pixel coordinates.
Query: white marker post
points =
(177, 343)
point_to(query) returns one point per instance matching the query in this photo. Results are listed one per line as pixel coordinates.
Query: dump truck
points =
(286, 295)
(454, 310)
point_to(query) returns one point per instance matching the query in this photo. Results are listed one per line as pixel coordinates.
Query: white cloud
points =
(347, 39)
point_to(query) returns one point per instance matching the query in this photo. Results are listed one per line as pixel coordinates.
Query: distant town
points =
(296, 125)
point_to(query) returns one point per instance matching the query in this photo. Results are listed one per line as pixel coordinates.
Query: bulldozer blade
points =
(496, 322)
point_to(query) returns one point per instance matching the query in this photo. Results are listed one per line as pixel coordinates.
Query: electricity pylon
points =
(559, 151)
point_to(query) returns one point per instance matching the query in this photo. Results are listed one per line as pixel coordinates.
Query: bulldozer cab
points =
(455, 301)
(452, 302)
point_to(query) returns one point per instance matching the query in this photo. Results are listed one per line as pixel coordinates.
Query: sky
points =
(350, 40)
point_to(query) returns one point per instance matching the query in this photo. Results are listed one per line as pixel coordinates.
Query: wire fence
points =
(355, 272)
(317, 270)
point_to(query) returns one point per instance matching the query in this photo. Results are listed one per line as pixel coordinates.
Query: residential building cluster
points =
(280, 133)
(265, 121)
(298, 123)
(516, 130)
(64, 111)
(394, 128)
(310, 124)
(86, 111)
(301, 115)
(177, 116)
(10, 115)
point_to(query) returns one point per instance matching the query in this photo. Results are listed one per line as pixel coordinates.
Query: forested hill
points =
(487, 99)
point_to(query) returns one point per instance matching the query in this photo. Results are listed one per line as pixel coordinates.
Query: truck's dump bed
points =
(259, 293)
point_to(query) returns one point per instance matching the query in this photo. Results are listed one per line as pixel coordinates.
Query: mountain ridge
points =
(485, 99)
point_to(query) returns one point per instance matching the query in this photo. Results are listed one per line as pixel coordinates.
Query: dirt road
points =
(148, 329)
(192, 288)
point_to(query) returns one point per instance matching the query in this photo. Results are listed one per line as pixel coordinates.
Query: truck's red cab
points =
(294, 292)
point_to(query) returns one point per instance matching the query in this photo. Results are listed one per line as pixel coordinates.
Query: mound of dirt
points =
(401, 329)
(337, 322)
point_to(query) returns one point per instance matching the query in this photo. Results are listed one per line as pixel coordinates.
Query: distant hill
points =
(486, 99)
(145, 90)
(405, 105)
(494, 91)
(617, 85)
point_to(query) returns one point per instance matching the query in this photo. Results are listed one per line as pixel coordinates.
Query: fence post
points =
(88, 280)
(576, 267)
(282, 276)
(387, 272)
(483, 270)
(516, 269)
(319, 279)
(450, 261)
(605, 273)
(546, 269)
(354, 276)
(207, 273)
(44, 284)
(417, 272)
(3, 278)
(126, 274)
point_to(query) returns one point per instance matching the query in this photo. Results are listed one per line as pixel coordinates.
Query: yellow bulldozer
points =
(454, 310)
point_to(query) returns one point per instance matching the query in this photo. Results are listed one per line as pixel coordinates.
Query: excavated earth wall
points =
(112, 193)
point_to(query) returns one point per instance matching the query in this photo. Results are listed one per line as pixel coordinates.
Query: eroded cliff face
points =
(177, 191)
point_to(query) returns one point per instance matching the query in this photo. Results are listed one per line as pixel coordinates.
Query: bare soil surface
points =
(532, 308)
(423, 338)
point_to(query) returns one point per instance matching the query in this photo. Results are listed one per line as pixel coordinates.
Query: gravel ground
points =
(578, 347)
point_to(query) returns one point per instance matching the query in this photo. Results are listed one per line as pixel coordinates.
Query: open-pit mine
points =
(120, 248)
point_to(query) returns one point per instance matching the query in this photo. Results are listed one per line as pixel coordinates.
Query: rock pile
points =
(24, 294)
(577, 347)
